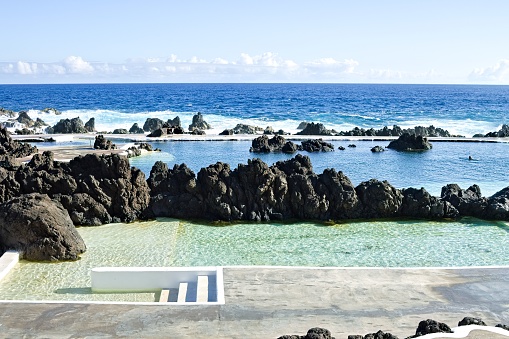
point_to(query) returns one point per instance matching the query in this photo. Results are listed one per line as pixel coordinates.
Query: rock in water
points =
(39, 228)
(198, 123)
(410, 142)
(102, 143)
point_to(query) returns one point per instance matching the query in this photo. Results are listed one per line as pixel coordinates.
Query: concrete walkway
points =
(267, 302)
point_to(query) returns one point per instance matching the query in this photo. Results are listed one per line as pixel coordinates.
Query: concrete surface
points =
(267, 302)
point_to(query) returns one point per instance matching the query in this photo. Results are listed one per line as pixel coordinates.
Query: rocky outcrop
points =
(161, 132)
(198, 123)
(90, 125)
(246, 129)
(471, 321)
(263, 144)
(317, 145)
(503, 132)
(431, 326)
(51, 110)
(67, 126)
(313, 333)
(120, 131)
(175, 122)
(377, 149)
(40, 228)
(286, 190)
(152, 124)
(14, 148)
(102, 143)
(94, 189)
(135, 129)
(469, 202)
(396, 131)
(316, 129)
(410, 142)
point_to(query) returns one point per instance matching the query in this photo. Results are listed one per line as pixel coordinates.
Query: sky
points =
(336, 41)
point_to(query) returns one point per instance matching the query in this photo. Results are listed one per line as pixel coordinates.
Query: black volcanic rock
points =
(39, 228)
(90, 125)
(471, 321)
(10, 147)
(152, 124)
(431, 326)
(418, 203)
(82, 185)
(315, 129)
(410, 142)
(135, 129)
(502, 133)
(468, 202)
(317, 145)
(102, 143)
(67, 126)
(379, 199)
(198, 122)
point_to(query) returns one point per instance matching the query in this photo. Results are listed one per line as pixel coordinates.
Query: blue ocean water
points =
(461, 109)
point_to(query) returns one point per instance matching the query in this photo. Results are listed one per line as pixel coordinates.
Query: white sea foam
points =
(108, 120)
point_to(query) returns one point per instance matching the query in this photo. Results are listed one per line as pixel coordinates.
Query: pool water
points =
(169, 242)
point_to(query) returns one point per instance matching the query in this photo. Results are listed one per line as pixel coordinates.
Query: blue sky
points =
(447, 41)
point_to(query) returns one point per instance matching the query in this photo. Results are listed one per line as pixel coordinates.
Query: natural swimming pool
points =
(169, 242)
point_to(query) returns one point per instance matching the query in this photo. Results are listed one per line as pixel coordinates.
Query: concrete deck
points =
(267, 302)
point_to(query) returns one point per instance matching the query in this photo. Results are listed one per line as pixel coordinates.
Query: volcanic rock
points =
(39, 228)
(198, 123)
(102, 143)
(66, 126)
(410, 142)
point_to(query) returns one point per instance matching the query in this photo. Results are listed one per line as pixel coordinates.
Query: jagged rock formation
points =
(102, 143)
(135, 129)
(263, 144)
(152, 124)
(90, 125)
(67, 126)
(9, 147)
(94, 189)
(501, 133)
(315, 129)
(198, 123)
(288, 189)
(40, 228)
(410, 142)
(120, 131)
(396, 131)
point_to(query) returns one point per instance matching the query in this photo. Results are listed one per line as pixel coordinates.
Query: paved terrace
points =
(267, 302)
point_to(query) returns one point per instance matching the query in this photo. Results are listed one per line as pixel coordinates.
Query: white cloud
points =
(265, 67)
(499, 73)
(74, 64)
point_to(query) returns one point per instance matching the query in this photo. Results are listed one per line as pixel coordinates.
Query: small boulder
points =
(377, 149)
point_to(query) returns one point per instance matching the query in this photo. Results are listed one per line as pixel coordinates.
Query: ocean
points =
(461, 109)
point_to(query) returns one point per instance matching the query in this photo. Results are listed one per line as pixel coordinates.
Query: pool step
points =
(188, 292)
(178, 285)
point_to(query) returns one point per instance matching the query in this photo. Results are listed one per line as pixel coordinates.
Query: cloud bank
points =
(499, 73)
(247, 68)
(266, 67)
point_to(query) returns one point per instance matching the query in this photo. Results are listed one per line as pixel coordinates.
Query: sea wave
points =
(108, 120)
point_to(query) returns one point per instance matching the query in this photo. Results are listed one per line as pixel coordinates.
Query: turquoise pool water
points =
(168, 242)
